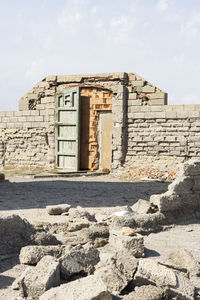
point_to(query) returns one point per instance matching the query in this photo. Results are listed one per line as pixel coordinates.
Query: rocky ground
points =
(103, 245)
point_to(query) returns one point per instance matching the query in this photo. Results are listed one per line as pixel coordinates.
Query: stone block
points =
(158, 95)
(157, 102)
(132, 96)
(31, 255)
(138, 83)
(139, 115)
(41, 278)
(76, 290)
(148, 89)
(51, 78)
(57, 209)
(32, 96)
(127, 245)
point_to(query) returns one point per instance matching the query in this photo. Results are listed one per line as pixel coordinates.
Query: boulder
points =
(31, 255)
(15, 233)
(35, 281)
(57, 209)
(127, 245)
(88, 288)
(79, 259)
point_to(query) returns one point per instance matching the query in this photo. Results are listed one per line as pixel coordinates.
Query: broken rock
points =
(39, 279)
(31, 255)
(88, 288)
(79, 259)
(146, 292)
(175, 283)
(15, 233)
(57, 209)
(127, 245)
(185, 259)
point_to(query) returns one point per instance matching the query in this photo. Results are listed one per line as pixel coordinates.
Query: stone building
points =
(95, 122)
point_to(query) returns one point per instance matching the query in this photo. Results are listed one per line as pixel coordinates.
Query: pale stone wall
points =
(26, 139)
(172, 130)
(27, 136)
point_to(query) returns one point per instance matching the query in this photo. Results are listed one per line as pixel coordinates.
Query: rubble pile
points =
(106, 258)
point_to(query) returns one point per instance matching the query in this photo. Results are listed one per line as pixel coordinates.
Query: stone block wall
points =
(143, 123)
(26, 139)
(172, 130)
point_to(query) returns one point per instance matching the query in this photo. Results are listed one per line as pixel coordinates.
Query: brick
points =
(148, 89)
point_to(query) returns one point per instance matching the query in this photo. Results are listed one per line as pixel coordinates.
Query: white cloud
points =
(162, 5)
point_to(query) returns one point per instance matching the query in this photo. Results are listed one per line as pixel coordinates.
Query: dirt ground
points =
(28, 198)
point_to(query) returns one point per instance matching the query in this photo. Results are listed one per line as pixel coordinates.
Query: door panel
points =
(106, 125)
(67, 129)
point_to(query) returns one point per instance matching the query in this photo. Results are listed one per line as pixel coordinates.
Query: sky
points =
(156, 39)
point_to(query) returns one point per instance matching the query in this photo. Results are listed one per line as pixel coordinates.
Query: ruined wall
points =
(26, 139)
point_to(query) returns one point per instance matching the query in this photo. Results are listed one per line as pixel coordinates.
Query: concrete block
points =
(5, 119)
(9, 113)
(21, 119)
(40, 106)
(132, 96)
(171, 115)
(2, 113)
(157, 101)
(148, 89)
(178, 108)
(132, 77)
(137, 83)
(138, 116)
(51, 78)
(145, 108)
(38, 118)
(26, 113)
(43, 84)
(35, 112)
(158, 95)
(136, 102)
(157, 108)
(32, 96)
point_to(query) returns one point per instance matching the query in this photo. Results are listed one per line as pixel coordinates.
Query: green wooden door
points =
(67, 129)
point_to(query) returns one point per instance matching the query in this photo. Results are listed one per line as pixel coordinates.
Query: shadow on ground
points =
(38, 194)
